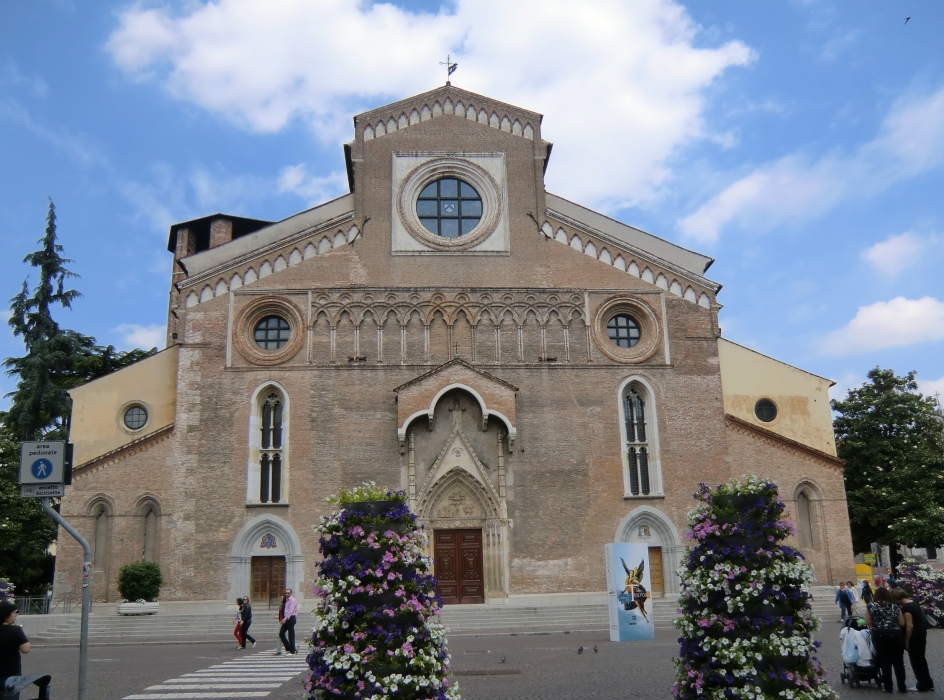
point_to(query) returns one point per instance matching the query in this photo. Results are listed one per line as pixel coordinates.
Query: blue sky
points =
(800, 144)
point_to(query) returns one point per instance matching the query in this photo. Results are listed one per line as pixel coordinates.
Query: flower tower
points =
(377, 629)
(746, 624)
(925, 585)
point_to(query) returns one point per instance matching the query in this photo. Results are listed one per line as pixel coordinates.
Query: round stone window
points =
(135, 417)
(449, 207)
(272, 333)
(623, 330)
(765, 410)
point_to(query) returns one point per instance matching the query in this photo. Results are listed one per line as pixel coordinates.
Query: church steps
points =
(460, 620)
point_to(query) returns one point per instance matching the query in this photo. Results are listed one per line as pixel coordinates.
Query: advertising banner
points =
(628, 586)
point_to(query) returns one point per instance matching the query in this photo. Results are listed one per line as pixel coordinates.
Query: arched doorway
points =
(650, 526)
(266, 557)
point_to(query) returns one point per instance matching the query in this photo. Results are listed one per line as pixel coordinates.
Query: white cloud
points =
(622, 83)
(144, 337)
(10, 74)
(895, 254)
(797, 188)
(313, 188)
(932, 387)
(888, 324)
(77, 148)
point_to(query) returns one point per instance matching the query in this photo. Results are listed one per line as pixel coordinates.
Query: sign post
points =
(45, 471)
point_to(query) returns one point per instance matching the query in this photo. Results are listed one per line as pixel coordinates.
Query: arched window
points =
(151, 541)
(634, 414)
(268, 443)
(100, 553)
(642, 474)
(804, 521)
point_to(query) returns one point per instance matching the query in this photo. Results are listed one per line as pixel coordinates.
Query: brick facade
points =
(545, 475)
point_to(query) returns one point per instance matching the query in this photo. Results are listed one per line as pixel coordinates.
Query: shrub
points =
(746, 625)
(377, 629)
(140, 580)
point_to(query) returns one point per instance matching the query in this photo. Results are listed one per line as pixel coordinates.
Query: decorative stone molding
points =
(771, 438)
(425, 173)
(254, 312)
(649, 330)
(132, 448)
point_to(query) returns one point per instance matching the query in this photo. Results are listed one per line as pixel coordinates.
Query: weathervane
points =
(450, 67)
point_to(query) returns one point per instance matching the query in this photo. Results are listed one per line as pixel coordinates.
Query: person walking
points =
(13, 644)
(853, 594)
(245, 612)
(842, 598)
(886, 621)
(866, 591)
(238, 629)
(287, 614)
(916, 638)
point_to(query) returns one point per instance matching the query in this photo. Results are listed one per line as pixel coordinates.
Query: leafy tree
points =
(893, 442)
(25, 530)
(56, 360)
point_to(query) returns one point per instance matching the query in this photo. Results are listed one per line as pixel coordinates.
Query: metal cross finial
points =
(450, 67)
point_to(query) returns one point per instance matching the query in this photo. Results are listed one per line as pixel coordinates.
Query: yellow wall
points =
(802, 399)
(98, 407)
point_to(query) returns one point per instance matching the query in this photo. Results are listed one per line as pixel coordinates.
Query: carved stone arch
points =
(482, 313)
(403, 122)
(250, 276)
(432, 499)
(145, 501)
(648, 525)
(147, 511)
(95, 503)
(247, 543)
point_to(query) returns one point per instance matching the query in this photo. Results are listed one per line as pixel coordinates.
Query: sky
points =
(798, 143)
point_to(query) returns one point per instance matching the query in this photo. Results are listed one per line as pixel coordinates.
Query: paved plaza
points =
(536, 667)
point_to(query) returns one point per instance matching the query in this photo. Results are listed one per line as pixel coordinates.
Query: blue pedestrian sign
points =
(42, 462)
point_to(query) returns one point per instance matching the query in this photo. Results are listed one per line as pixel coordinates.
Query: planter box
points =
(138, 608)
(372, 507)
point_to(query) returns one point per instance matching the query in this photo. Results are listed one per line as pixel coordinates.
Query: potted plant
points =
(377, 628)
(139, 584)
(746, 624)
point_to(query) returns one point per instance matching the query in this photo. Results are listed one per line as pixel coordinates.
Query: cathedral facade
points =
(539, 379)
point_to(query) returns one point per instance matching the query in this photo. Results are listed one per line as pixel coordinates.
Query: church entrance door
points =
(458, 561)
(268, 580)
(655, 572)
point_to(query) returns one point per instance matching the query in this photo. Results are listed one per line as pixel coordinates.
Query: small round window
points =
(623, 330)
(765, 410)
(135, 418)
(272, 333)
(449, 207)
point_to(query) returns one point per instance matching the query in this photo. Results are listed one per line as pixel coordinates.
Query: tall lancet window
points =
(637, 444)
(270, 460)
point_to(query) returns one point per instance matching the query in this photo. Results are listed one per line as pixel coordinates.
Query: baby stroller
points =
(858, 654)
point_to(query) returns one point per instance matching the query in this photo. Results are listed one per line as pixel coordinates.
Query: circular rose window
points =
(449, 207)
(623, 330)
(272, 333)
(135, 417)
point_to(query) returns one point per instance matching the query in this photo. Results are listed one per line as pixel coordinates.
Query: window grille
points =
(637, 445)
(270, 463)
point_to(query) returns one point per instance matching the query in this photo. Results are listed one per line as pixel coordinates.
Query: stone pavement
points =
(537, 667)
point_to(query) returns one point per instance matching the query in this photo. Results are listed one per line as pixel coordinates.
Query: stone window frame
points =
(646, 392)
(254, 466)
(145, 504)
(124, 409)
(244, 327)
(435, 169)
(650, 331)
(814, 499)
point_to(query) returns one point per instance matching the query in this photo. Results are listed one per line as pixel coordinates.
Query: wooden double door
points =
(458, 561)
(268, 581)
(656, 576)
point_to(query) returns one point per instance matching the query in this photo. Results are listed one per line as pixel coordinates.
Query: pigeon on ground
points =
(595, 649)
(503, 659)
(580, 649)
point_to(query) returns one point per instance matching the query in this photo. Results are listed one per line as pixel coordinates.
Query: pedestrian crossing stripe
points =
(254, 676)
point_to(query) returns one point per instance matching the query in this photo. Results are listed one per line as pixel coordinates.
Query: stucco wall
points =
(802, 399)
(98, 407)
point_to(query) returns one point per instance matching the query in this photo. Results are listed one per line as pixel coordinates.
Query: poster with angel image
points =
(628, 585)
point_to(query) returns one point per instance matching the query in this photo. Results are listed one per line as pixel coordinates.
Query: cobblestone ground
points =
(537, 667)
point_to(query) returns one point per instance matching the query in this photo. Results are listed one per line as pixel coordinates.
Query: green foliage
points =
(893, 444)
(368, 491)
(56, 359)
(25, 530)
(140, 580)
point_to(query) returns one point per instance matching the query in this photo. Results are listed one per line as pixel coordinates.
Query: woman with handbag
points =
(886, 621)
(916, 638)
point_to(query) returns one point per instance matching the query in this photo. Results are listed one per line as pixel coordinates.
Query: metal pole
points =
(86, 592)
